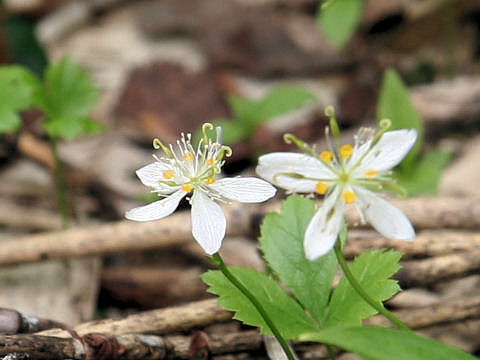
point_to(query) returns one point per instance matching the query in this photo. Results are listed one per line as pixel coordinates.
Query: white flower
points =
(184, 170)
(345, 176)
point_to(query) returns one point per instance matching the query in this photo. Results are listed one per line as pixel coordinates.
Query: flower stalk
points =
(360, 291)
(62, 200)
(217, 260)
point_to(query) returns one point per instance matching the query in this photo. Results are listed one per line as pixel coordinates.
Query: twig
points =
(441, 268)
(135, 346)
(437, 314)
(161, 321)
(427, 243)
(175, 230)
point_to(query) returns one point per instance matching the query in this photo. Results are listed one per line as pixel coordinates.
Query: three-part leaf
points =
(68, 98)
(372, 270)
(282, 244)
(285, 312)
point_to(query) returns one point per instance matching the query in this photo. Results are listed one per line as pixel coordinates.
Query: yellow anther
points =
(370, 174)
(168, 174)
(321, 188)
(209, 181)
(326, 156)
(189, 156)
(349, 197)
(186, 187)
(210, 162)
(346, 150)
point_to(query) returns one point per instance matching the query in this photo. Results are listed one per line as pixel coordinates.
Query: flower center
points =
(168, 174)
(370, 174)
(346, 150)
(186, 187)
(188, 157)
(321, 188)
(348, 196)
(326, 156)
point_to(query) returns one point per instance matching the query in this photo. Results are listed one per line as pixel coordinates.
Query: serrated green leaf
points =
(68, 98)
(339, 19)
(426, 175)
(395, 104)
(17, 92)
(285, 312)
(282, 100)
(376, 343)
(372, 270)
(282, 245)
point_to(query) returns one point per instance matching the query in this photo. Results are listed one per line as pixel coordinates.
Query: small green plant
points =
(418, 174)
(248, 114)
(66, 96)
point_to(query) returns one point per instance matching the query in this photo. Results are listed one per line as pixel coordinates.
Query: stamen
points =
(209, 181)
(188, 157)
(326, 156)
(346, 150)
(370, 174)
(349, 197)
(210, 162)
(321, 188)
(168, 174)
(186, 187)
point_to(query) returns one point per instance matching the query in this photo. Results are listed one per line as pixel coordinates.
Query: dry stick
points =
(129, 346)
(113, 238)
(441, 268)
(175, 230)
(161, 321)
(206, 312)
(427, 243)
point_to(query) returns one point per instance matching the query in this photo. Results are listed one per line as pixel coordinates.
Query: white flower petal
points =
(322, 231)
(248, 189)
(389, 150)
(150, 174)
(156, 210)
(271, 165)
(208, 222)
(384, 217)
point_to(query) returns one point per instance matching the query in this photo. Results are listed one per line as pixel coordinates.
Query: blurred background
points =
(258, 68)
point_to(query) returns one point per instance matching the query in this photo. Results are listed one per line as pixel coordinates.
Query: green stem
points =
(217, 259)
(358, 288)
(61, 185)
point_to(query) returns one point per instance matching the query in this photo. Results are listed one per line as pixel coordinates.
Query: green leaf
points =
(285, 312)
(282, 100)
(376, 343)
(17, 90)
(282, 244)
(339, 19)
(424, 179)
(372, 270)
(395, 104)
(68, 98)
(10, 122)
